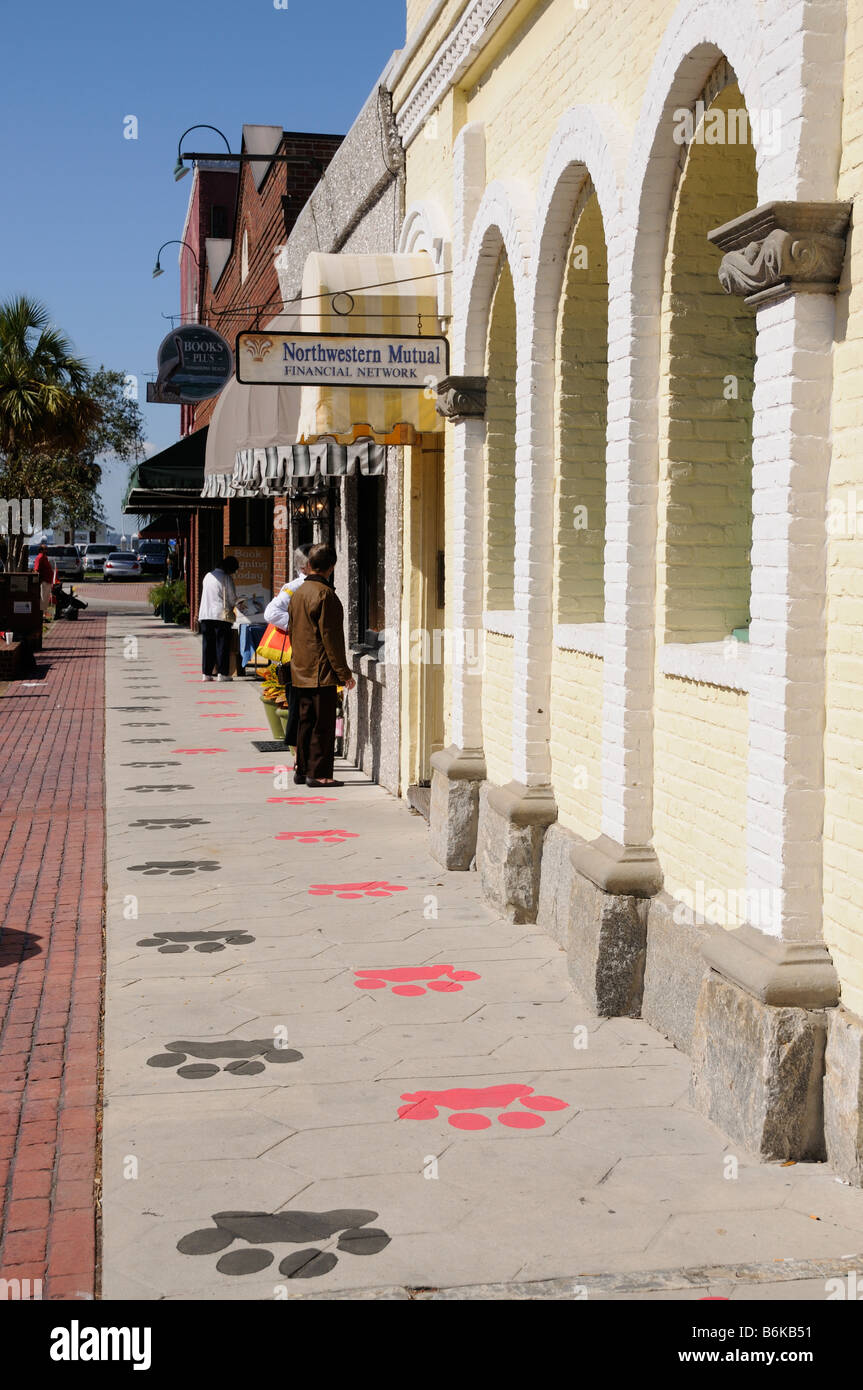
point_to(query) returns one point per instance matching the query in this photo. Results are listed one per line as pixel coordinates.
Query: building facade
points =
(651, 684)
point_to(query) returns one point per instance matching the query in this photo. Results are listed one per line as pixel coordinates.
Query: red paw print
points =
(199, 750)
(282, 767)
(300, 800)
(310, 837)
(442, 978)
(356, 890)
(464, 1100)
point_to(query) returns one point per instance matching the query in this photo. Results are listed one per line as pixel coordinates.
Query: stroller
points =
(66, 605)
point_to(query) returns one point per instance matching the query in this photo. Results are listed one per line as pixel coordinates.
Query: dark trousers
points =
(316, 733)
(216, 647)
(293, 724)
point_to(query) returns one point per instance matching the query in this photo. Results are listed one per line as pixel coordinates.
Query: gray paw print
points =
(171, 943)
(177, 867)
(249, 1058)
(167, 823)
(170, 787)
(165, 764)
(356, 1237)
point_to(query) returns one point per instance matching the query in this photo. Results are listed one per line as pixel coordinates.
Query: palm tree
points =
(44, 408)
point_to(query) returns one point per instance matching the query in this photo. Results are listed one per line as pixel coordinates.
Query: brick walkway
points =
(51, 905)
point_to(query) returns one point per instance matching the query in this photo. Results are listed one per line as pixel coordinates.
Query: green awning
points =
(173, 478)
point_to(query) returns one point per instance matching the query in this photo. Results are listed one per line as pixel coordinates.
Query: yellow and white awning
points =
(249, 421)
(376, 294)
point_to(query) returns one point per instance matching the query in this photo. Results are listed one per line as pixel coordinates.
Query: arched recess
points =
(425, 228)
(708, 356)
(578, 214)
(499, 525)
(578, 585)
(704, 514)
(483, 658)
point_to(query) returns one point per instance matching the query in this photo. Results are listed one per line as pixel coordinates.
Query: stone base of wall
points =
(556, 885)
(674, 970)
(454, 812)
(511, 828)
(757, 1071)
(607, 948)
(584, 905)
(843, 1095)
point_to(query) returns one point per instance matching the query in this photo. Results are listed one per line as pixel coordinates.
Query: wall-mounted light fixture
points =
(158, 269)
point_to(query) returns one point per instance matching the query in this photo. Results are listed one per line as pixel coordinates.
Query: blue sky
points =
(86, 210)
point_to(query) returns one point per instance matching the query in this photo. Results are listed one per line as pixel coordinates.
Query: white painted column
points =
(630, 569)
(791, 458)
(466, 585)
(534, 548)
(465, 563)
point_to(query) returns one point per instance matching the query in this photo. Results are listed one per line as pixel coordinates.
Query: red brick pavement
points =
(52, 832)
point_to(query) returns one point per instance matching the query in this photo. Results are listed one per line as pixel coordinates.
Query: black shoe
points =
(299, 779)
(311, 782)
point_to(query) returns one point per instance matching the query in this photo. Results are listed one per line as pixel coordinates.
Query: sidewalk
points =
(261, 1045)
(51, 886)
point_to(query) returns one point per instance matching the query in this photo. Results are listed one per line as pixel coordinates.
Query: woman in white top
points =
(216, 616)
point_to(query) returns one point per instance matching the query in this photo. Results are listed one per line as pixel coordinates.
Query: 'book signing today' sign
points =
(373, 359)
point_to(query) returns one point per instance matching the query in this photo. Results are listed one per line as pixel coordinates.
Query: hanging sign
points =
(194, 363)
(335, 359)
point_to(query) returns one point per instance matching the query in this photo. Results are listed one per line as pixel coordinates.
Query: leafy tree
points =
(57, 419)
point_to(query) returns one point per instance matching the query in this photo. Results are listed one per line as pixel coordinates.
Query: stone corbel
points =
(779, 249)
(461, 398)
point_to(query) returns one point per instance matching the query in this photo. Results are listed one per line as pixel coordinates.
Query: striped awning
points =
(390, 294)
(249, 418)
(274, 471)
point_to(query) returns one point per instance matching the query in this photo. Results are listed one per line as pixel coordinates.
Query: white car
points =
(122, 564)
(95, 555)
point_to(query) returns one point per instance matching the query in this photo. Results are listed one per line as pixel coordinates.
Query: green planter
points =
(272, 713)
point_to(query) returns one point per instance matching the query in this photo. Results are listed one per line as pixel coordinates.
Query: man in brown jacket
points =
(319, 666)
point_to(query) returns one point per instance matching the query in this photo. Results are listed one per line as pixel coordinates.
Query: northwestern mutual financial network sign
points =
(335, 359)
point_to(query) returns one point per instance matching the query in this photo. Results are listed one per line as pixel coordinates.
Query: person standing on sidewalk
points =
(277, 612)
(45, 570)
(216, 618)
(319, 666)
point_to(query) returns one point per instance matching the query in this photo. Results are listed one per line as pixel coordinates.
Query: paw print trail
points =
(441, 978)
(424, 1105)
(257, 1228)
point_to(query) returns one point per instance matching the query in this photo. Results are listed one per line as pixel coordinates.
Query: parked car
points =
(95, 556)
(154, 556)
(66, 561)
(122, 564)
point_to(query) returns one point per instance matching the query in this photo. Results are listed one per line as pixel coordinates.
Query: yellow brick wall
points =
(843, 826)
(708, 345)
(580, 421)
(700, 786)
(497, 708)
(576, 740)
(704, 526)
(603, 53)
(565, 55)
(500, 446)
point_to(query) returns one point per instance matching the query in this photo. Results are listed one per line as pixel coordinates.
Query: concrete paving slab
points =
(622, 1186)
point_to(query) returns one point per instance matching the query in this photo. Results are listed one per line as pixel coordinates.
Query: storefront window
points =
(370, 556)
